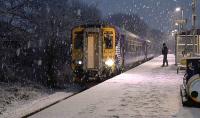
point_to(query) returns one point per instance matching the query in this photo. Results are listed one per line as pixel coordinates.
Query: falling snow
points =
(18, 52)
(39, 62)
(35, 45)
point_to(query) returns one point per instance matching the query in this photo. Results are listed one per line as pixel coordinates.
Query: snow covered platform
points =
(147, 91)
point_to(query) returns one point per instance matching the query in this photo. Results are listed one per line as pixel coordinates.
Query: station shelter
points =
(187, 46)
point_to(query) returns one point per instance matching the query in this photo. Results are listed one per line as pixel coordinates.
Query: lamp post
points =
(194, 16)
(178, 9)
(181, 21)
(178, 22)
(174, 33)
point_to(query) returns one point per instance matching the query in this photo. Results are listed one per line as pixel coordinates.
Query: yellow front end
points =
(93, 53)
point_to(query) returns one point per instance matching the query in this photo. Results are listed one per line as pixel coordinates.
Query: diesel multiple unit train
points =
(100, 51)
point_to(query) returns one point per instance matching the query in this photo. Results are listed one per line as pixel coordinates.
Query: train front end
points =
(93, 52)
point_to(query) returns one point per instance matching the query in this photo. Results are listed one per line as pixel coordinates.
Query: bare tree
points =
(42, 30)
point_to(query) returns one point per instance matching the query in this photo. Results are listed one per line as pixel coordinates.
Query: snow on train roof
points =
(132, 35)
(125, 32)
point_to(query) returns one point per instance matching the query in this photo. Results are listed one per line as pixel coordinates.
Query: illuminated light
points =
(176, 24)
(109, 62)
(178, 9)
(173, 33)
(80, 62)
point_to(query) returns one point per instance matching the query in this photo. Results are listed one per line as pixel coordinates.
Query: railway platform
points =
(146, 91)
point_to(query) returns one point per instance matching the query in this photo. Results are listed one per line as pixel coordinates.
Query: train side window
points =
(133, 48)
(108, 40)
(78, 43)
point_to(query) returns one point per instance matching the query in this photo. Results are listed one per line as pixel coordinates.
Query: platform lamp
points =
(181, 21)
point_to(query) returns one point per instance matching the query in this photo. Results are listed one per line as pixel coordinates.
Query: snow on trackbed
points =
(147, 91)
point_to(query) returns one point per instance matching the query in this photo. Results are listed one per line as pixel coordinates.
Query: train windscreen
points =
(108, 40)
(78, 44)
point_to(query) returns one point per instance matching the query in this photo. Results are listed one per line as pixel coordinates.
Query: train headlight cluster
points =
(109, 62)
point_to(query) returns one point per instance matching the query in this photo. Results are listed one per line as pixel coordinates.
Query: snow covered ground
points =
(17, 101)
(147, 91)
(13, 95)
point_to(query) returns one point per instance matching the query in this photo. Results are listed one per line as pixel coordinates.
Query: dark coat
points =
(165, 50)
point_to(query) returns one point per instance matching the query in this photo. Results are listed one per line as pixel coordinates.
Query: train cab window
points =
(108, 40)
(78, 43)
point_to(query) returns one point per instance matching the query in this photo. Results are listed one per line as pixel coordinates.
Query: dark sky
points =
(158, 14)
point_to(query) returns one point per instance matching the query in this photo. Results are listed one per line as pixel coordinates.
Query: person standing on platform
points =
(164, 53)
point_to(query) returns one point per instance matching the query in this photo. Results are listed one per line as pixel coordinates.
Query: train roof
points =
(119, 30)
(132, 35)
(95, 25)
(126, 32)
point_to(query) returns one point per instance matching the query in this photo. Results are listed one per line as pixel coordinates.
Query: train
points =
(190, 89)
(99, 51)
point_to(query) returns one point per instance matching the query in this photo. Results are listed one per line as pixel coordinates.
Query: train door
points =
(145, 49)
(122, 43)
(92, 50)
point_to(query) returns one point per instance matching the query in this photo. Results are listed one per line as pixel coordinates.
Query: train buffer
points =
(148, 90)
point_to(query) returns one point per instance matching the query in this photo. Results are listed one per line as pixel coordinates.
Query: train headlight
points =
(109, 62)
(79, 62)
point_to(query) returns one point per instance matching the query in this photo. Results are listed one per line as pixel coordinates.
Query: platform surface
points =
(147, 91)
